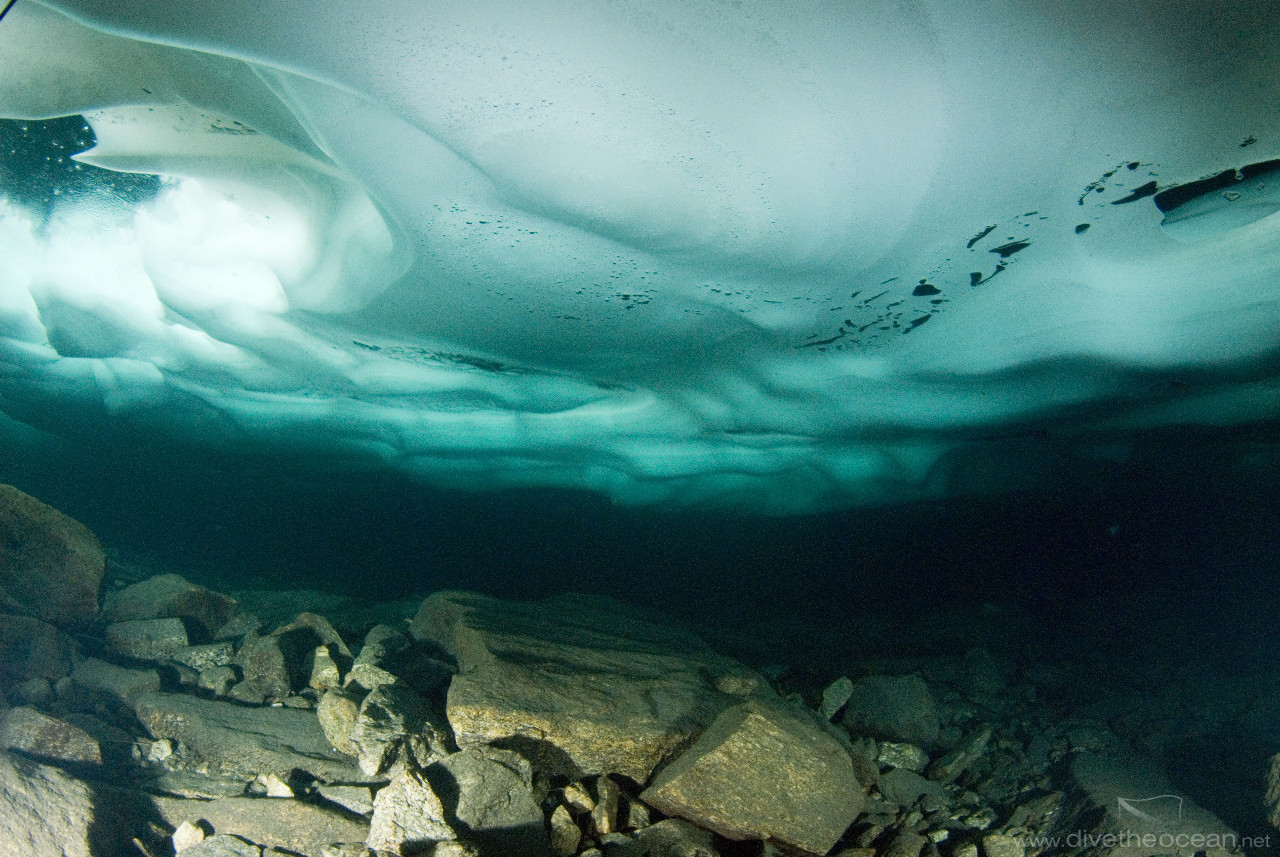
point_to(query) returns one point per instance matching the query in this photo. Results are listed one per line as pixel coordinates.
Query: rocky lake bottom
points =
(146, 712)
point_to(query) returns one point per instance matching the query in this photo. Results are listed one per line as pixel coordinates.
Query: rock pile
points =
(176, 721)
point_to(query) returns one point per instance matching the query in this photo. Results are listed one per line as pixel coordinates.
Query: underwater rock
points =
(119, 684)
(185, 836)
(337, 713)
(761, 771)
(496, 805)
(223, 845)
(245, 741)
(30, 648)
(387, 716)
(47, 738)
(604, 817)
(893, 708)
(50, 565)
(905, 787)
(407, 814)
(951, 766)
(354, 799)
(834, 697)
(147, 639)
(324, 671)
(298, 827)
(565, 833)
(1121, 803)
(590, 684)
(266, 671)
(45, 811)
(170, 596)
(675, 837)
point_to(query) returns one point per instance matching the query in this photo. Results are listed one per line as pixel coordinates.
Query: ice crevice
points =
(773, 257)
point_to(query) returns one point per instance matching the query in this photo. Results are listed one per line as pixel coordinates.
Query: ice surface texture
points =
(774, 255)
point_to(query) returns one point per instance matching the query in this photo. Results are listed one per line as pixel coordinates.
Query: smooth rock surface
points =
(245, 741)
(763, 772)
(169, 596)
(119, 683)
(893, 708)
(295, 826)
(597, 686)
(45, 812)
(50, 565)
(495, 804)
(221, 845)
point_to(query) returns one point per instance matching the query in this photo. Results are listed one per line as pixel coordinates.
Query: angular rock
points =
(222, 845)
(30, 648)
(117, 683)
(389, 655)
(207, 656)
(1125, 808)
(50, 565)
(324, 671)
(593, 685)
(389, 714)
(407, 815)
(565, 833)
(44, 811)
(243, 741)
(604, 817)
(290, 825)
(675, 837)
(47, 738)
(949, 768)
(266, 670)
(893, 708)
(356, 799)
(147, 639)
(496, 806)
(1000, 845)
(169, 596)
(905, 787)
(834, 697)
(185, 836)
(763, 772)
(217, 679)
(338, 713)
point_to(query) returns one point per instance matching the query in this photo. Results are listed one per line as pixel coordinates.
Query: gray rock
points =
(293, 826)
(834, 697)
(325, 674)
(338, 713)
(1121, 795)
(407, 814)
(169, 596)
(951, 766)
(34, 691)
(590, 684)
(356, 799)
(265, 669)
(44, 811)
(241, 741)
(387, 716)
(675, 837)
(893, 708)
(565, 833)
(905, 843)
(30, 648)
(604, 817)
(147, 639)
(222, 845)
(900, 755)
(1000, 845)
(117, 683)
(207, 656)
(905, 787)
(762, 771)
(217, 679)
(244, 692)
(47, 738)
(496, 805)
(50, 565)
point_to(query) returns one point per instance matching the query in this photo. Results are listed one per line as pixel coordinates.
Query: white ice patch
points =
(772, 255)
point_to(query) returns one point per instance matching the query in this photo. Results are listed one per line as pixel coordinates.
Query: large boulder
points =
(296, 827)
(583, 683)
(50, 565)
(43, 812)
(170, 596)
(763, 771)
(893, 708)
(30, 649)
(243, 741)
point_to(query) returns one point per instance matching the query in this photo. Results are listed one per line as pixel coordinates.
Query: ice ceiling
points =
(775, 255)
